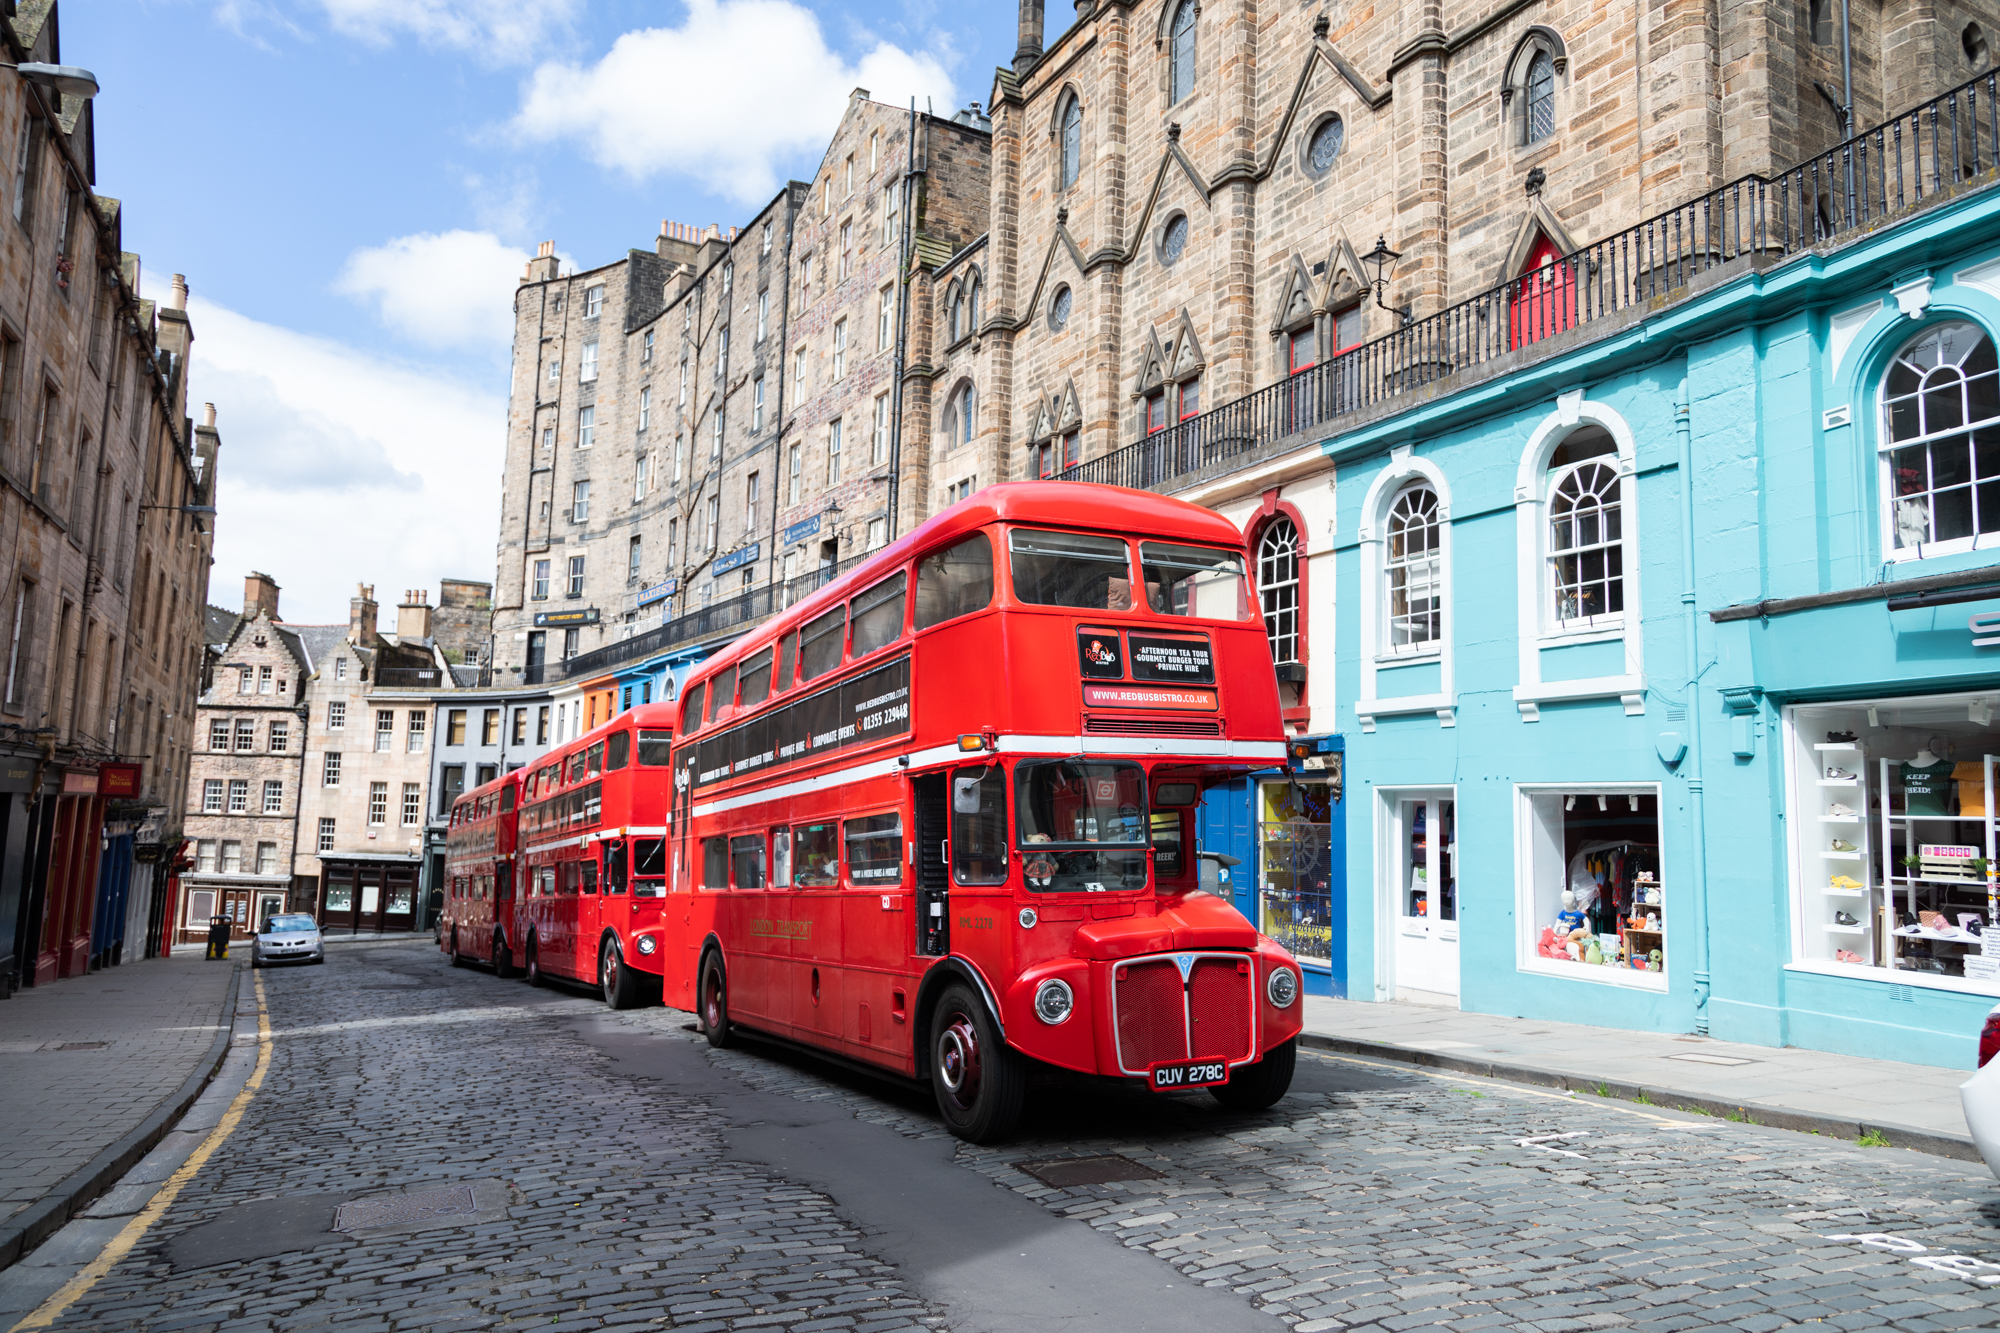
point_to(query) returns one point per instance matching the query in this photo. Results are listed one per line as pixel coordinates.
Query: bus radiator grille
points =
(1150, 726)
(1219, 1007)
(1152, 1015)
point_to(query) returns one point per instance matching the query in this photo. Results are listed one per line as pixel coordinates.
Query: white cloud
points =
(341, 467)
(441, 289)
(502, 31)
(739, 87)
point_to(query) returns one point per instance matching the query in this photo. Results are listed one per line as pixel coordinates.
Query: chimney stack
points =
(543, 267)
(1030, 49)
(413, 617)
(260, 593)
(178, 299)
(361, 630)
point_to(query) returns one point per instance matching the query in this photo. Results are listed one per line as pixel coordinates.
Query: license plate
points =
(1187, 1074)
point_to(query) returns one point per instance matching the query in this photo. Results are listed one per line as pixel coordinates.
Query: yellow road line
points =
(132, 1232)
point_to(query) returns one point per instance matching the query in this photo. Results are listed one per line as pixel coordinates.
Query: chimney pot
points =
(545, 249)
(178, 299)
(208, 415)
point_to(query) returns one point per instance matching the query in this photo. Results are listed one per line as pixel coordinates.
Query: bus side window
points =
(878, 615)
(979, 825)
(721, 692)
(746, 861)
(614, 867)
(820, 643)
(715, 863)
(504, 885)
(955, 581)
(586, 876)
(691, 705)
(788, 654)
(566, 879)
(507, 800)
(816, 855)
(781, 858)
(618, 750)
(875, 850)
(593, 760)
(756, 675)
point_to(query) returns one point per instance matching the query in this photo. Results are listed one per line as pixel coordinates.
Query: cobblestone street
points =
(629, 1177)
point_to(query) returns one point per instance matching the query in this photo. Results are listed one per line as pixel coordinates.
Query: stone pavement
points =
(1913, 1106)
(92, 1071)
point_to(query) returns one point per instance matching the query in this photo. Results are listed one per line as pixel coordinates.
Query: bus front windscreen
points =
(1082, 825)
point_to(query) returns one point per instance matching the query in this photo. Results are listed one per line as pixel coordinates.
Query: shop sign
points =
(119, 780)
(736, 559)
(799, 531)
(659, 592)
(17, 773)
(77, 782)
(1986, 630)
(584, 616)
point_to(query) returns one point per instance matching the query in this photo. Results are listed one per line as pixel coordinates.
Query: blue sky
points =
(351, 187)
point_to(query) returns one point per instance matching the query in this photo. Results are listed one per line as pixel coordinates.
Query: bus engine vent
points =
(1219, 997)
(1152, 1014)
(1151, 726)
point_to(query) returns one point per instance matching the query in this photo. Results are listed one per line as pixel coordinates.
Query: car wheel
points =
(712, 1001)
(1255, 1087)
(622, 987)
(979, 1083)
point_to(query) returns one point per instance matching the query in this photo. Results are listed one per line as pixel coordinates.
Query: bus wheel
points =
(713, 999)
(534, 967)
(457, 958)
(622, 987)
(978, 1081)
(503, 960)
(1254, 1087)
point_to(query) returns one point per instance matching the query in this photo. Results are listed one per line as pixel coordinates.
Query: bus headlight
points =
(1282, 986)
(647, 944)
(1054, 1001)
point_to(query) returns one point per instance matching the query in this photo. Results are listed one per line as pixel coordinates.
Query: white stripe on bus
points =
(1222, 749)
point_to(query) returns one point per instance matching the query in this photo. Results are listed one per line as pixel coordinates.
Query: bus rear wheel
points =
(534, 964)
(503, 959)
(1255, 1087)
(622, 987)
(457, 958)
(712, 1001)
(978, 1081)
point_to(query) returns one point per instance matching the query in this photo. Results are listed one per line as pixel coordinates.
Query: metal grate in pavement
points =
(1065, 1172)
(422, 1206)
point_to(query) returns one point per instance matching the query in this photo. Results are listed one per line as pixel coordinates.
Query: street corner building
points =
(107, 491)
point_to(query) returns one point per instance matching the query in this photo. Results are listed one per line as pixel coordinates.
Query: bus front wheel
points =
(1254, 1087)
(534, 965)
(978, 1081)
(713, 997)
(622, 989)
(457, 958)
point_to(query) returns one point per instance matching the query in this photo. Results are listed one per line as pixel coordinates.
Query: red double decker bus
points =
(940, 816)
(479, 845)
(593, 862)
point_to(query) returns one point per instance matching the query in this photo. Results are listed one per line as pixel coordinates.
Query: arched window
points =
(1940, 468)
(972, 296)
(1413, 573)
(1278, 587)
(1072, 140)
(1538, 116)
(1586, 552)
(1181, 54)
(957, 313)
(960, 410)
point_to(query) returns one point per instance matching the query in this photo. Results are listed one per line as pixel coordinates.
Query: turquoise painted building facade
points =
(1678, 616)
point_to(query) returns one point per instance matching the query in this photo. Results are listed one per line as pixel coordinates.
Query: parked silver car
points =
(288, 937)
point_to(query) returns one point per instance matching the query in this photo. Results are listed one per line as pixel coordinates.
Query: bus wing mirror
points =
(965, 795)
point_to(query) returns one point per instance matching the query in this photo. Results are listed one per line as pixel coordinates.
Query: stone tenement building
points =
(103, 571)
(719, 415)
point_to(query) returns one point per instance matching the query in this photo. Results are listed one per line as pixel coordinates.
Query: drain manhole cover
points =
(1064, 1172)
(424, 1205)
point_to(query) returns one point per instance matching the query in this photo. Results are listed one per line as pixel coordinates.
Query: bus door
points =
(978, 831)
(614, 902)
(932, 920)
(588, 917)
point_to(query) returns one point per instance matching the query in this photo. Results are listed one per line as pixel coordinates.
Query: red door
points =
(1545, 296)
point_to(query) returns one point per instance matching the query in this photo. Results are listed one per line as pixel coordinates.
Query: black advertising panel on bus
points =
(1184, 659)
(860, 709)
(1098, 655)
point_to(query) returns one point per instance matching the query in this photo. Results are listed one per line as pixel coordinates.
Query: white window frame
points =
(885, 323)
(579, 502)
(586, 427)
(586, 370)
(1528, 922)
(763, 314)
(274, 797)
(878, 441)
(1405, 469)
(833, 433)
(1538, 630)
(645, 407)
(795, 474)
(1885, 447)
(839, 349)
(593, 302)
(757, 406)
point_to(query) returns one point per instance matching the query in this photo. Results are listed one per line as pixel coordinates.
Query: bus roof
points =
(662, 715)
(1073, 504)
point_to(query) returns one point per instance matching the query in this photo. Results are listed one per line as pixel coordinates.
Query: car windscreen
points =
(1070, 569)
(286, 925)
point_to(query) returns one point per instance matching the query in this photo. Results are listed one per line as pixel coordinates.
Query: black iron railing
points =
(731, 613)
(1947, 141)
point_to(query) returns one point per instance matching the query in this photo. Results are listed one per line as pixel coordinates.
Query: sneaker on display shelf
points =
(1844, 882)
(1844, 919)
(1842, 845)
(1840, 811)
(1846, 956)
(1839, 775)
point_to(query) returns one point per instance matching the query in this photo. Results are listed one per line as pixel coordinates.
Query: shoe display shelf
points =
(1845, 877)
(1919, 948)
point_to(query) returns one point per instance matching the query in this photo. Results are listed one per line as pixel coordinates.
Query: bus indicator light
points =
(972, 741)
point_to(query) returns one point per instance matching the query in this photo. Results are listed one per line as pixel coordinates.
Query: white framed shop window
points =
(1408, 496)
(1576, 532)
(1892, 839)
(1940, 401)
(1598, 843)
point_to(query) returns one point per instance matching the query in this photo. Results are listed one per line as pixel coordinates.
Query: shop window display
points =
(1597, 899)
(1294, 827)
(1895, 837)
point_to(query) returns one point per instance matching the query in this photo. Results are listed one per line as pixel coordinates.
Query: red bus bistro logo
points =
(1145, 696)
(859, 710)
(1097, 653)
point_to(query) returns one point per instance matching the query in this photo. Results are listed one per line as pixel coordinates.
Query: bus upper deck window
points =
(507, 799)
(1070, 569)
(721, 692)
(788, 654)
(655, 747)
(820, 643)
(594, 760)
(691, 707)
(757, 679)
(1194, 581)
(617, 750)
(878, 616)
(576, 763)
(955, 581)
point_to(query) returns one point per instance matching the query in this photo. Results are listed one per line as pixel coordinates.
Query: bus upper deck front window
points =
(1070, 569)
(1082, 825)
(655, 747)
(1194, 581)
(955, 581)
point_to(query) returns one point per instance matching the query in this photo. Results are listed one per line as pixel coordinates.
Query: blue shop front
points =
(1667, 661)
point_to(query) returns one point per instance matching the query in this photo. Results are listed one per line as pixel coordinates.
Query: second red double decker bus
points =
(478, 918)
(940, 816)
